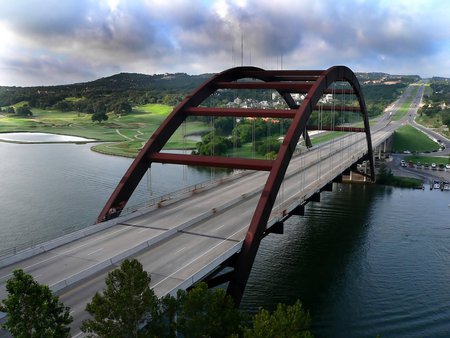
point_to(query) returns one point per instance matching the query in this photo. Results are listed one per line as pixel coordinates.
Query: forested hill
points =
(137, 89)
(167, 82)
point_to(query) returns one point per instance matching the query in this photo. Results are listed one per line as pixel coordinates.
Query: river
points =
(367, 260)
(50, 189)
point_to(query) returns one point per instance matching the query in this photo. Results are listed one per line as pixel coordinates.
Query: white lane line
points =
(199, 256)
(221, 226)
(77, 335)
(63, 253)
(93, 252)
(179, 250)
(96, 239)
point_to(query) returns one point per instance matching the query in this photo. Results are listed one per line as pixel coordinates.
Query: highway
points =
(186, 238)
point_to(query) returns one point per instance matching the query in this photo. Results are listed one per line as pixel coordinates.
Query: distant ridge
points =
(178, 81)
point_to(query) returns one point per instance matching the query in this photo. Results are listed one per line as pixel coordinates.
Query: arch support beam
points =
(314, 84)
(266, 202)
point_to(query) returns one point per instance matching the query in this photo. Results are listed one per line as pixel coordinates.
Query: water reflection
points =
(367, 260)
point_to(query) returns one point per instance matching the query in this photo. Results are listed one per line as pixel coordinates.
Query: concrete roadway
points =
(182, 241)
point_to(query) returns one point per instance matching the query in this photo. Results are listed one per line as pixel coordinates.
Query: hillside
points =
(143, 89)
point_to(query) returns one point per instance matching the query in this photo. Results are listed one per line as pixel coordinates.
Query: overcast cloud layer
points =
(56, 42)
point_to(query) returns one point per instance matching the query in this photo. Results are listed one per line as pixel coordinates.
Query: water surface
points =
(40, 137)
(367, 260)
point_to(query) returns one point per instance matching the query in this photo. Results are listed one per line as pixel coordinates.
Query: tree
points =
(286, 321)
(127, 306)
(385, 175)
(33, 311)
(205, 312)
(213, 144)
(24, 111)
(99, 117)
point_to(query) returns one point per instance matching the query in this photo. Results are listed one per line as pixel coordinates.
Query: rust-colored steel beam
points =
(259, 74)
(213, 161)
(268, 196)
(241, 112)
(300, 87)
(273, 113)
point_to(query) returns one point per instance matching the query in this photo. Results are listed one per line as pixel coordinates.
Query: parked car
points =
(447, 166)
(403, 163)
(433, 166)
(426, 165)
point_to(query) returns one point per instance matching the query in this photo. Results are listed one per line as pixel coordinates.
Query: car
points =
(426, 165)
(447, 166)
(441, 166)
(406, 152)
(433, 166)
(403, 163)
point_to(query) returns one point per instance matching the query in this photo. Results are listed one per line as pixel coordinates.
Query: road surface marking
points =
(199, 256)
(93, 252)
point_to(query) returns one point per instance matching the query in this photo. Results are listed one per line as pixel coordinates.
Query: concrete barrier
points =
(115, 260)
(68, 238)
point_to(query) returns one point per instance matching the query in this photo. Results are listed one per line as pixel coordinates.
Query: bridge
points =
(196, 234)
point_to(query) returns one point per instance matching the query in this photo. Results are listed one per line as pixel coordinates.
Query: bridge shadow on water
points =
(317, 255)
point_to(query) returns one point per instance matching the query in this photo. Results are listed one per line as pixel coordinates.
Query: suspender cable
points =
(184, 152)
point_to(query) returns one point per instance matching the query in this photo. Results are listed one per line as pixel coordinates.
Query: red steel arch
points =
(313, 83)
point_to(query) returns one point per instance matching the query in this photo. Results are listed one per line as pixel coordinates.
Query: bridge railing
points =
(154, 202)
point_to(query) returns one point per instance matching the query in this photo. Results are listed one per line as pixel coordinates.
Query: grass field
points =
(406, 105)
(326, 137)
(428, 159)
(129, 132)
(409, 138)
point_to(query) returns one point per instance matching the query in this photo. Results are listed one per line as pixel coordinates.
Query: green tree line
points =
(438, 103)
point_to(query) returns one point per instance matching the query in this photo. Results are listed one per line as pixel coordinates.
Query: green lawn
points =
(129, 131)
(328, 136)
(409, 138)
(428, 159)
(406, 104)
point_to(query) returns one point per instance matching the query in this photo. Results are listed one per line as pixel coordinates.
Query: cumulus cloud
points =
(53, 41)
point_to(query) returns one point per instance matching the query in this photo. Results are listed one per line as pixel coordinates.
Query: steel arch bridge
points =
(313, 84)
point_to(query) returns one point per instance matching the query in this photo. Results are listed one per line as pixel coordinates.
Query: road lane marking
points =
(201, 255)
(90, 241)
(179, 250)
(93, 252)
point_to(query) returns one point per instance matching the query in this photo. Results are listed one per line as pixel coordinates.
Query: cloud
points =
(53, 41)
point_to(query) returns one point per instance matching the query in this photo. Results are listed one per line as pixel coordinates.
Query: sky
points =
(51, 42)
